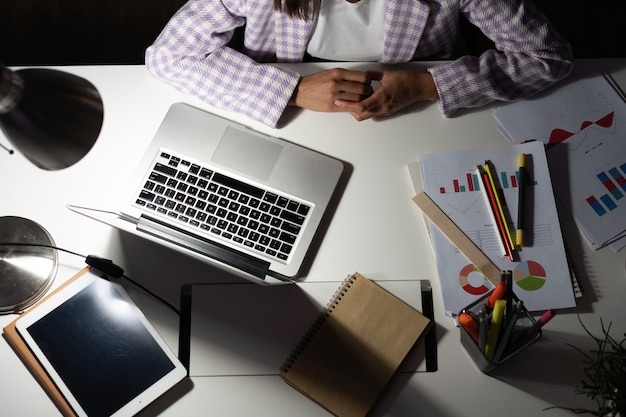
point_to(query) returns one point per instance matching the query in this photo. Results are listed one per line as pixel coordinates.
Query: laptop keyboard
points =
(228, 209)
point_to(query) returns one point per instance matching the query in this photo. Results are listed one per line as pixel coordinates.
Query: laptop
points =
(233, 197)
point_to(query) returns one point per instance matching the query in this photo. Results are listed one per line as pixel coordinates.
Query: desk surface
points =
(376, 229)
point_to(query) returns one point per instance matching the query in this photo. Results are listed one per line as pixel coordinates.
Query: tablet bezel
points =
(155, 390)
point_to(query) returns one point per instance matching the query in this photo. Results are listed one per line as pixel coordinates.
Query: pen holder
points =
(515, 342)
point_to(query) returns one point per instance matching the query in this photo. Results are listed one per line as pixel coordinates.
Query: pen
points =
(534, 329)
(430, 340)
(510, 325)
(521, 191)
(490, 195)
(494, 329)
(492, 182)
(531, 332)
(507, 277)
(482, 330)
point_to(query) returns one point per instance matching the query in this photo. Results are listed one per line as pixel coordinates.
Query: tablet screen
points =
(99, 345)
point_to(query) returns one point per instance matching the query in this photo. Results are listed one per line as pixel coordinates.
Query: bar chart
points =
(472, 182)
(613, 181)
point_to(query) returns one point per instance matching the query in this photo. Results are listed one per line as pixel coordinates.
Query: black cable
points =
(147, 291)
(41, 245)
(106, 266)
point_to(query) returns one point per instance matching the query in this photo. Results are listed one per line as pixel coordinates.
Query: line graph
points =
(559, 135)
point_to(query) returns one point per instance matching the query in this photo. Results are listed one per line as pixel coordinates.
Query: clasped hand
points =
(341, 90)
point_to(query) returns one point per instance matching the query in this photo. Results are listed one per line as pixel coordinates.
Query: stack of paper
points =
(582, 121)
(540, 269)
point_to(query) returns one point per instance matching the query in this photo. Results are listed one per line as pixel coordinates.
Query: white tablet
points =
(99, 349)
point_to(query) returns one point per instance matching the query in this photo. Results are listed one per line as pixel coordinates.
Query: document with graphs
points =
(540, 269)
(582, 122)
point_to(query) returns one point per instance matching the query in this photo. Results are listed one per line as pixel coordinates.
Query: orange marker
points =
(498, 293)
(469, 324)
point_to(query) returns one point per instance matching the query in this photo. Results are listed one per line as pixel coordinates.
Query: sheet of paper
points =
(541, 273)
(581, 100)
(583, 122)
(589, 176)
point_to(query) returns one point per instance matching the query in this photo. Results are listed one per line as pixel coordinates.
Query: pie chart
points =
(529, 275)
(472, 280)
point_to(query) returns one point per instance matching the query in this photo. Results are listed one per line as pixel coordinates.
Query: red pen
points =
(532, 332)
(545, 317)
(495, 214)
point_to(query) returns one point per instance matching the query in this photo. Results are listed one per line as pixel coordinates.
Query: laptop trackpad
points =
(247, 153)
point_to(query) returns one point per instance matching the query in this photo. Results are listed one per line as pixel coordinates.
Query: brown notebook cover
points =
(24, 352)
(350, 353)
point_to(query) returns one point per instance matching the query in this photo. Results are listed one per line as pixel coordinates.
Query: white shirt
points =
(347, 31)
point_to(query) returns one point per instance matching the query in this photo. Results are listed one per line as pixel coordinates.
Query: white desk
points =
(376, 229)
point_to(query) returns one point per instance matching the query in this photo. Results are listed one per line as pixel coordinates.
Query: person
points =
(192, 54)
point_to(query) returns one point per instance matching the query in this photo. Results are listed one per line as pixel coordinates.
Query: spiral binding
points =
(318, 322)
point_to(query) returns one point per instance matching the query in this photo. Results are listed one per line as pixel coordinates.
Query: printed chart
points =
(615, 185)
(582, 121)
(472, 182)
(472, 281)
(594, 159)
(541, 272)
(560, 135)
(528, 275)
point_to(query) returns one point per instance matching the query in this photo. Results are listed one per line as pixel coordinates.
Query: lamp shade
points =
(52, 117)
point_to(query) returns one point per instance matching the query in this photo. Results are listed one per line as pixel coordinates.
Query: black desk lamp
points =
(50, 116)
(53, 118)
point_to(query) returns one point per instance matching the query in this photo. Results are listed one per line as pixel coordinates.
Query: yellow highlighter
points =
(494, 329)
(521, 188)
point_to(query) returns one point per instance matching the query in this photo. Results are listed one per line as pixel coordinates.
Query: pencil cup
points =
(513, 332)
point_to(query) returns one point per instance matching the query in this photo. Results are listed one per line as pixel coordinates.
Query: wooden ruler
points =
(457, 237)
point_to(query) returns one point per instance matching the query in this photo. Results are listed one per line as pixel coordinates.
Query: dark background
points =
(57, 32)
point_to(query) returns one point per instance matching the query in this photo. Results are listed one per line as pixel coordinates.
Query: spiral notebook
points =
(354, 347)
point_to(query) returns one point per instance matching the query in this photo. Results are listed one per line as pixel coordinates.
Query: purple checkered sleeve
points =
(190, 55)
(529, 57)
